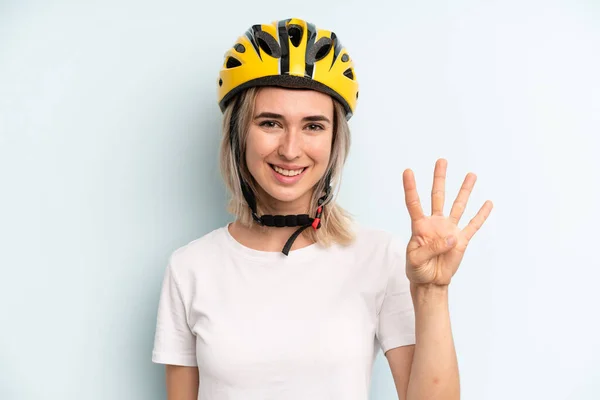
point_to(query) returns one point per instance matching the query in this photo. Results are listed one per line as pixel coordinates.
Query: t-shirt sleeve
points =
(174, 342)
(396, 319)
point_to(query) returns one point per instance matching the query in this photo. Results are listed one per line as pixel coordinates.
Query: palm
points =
(428, 262)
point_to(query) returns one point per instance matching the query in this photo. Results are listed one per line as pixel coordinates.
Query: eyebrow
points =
(311, 118)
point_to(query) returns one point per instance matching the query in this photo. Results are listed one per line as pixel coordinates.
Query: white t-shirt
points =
(265, 326)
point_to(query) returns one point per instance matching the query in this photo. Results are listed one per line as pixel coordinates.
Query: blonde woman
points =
(293, 299)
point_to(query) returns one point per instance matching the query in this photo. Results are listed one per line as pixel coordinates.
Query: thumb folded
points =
(435, 248)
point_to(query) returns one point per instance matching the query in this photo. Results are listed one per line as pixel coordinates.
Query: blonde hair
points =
(335, 221)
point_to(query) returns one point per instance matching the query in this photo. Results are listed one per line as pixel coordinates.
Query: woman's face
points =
(289, 144)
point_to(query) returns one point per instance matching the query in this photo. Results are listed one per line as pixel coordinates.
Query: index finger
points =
(413, 204)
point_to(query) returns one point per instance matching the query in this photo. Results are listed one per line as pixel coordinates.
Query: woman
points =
(293, 299)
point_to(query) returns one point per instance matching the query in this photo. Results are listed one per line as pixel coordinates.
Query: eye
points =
(315, 127)
(268, 124)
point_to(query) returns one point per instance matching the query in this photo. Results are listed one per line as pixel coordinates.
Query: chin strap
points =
(302, 220)
(279, 221)
(314, 222)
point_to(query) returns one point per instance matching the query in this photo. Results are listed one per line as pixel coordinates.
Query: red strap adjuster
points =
(317, 220)
(315, 223)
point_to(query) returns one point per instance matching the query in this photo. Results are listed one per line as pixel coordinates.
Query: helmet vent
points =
(233, 62)
(349, 74)
(268, 44)
(319, 50)
(239, 48)
(295, 34)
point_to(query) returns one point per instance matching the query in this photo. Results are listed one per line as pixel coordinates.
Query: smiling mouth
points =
(287, 172)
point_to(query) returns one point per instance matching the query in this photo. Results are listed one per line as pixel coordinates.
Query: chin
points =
(299, 192)
(286, 195)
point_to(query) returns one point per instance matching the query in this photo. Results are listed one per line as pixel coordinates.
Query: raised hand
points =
(430, 258)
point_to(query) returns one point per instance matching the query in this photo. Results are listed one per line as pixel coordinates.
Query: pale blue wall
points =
(108, 143)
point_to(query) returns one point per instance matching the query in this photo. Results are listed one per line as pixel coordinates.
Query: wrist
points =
(429, 293)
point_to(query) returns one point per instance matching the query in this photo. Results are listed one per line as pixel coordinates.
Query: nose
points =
(290, 146)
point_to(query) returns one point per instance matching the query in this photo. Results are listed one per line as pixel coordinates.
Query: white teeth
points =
(288, 172)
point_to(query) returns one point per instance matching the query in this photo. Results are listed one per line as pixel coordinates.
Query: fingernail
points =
(450, 240)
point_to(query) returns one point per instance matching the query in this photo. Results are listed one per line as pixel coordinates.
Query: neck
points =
(266, 238)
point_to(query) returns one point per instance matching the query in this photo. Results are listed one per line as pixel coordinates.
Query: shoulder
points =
(375, 250)
(377, 240)
(188, 258)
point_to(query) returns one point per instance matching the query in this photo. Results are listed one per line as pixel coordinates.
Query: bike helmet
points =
(289, 53)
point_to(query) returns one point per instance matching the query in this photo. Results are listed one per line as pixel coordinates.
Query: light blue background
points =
(109, 131)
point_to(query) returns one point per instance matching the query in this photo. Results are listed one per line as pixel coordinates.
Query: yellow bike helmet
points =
(289, 53)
